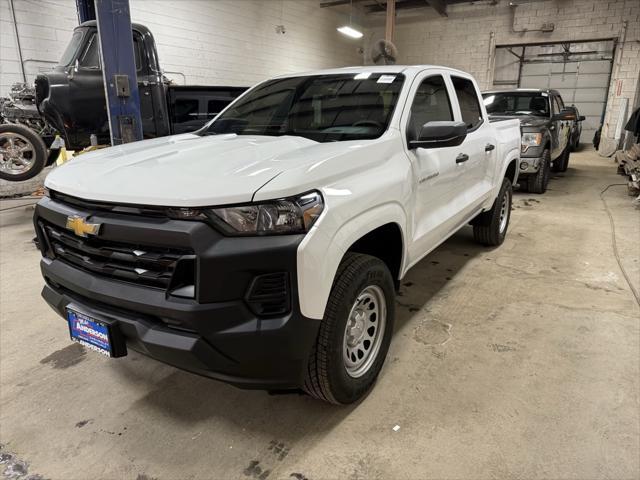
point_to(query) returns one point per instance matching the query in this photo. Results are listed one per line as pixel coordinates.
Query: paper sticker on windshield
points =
(544, 94)
(386, 79)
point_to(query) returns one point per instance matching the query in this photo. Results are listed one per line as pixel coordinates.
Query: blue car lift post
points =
(118, 66)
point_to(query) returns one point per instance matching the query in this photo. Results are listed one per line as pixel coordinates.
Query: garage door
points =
(579, 71)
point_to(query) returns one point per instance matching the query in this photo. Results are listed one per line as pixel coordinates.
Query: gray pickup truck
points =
(546, 125)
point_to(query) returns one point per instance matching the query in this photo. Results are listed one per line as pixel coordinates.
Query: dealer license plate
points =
(90, 332)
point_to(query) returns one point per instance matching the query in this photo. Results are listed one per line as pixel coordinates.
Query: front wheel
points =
(23, 154)
(355, 332)
(538, 183)
(490, 227)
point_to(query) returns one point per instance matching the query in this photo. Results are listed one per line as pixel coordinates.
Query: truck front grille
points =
(140, 264)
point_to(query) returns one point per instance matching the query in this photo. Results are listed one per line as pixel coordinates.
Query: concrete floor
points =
(519, 362)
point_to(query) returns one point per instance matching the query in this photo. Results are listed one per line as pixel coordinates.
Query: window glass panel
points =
(91, 56)
(137, 51)
(214, 107)
(430, 104)
(72, 48)
(468, 100)
(516, 103)
(324, 108)
(185, 110)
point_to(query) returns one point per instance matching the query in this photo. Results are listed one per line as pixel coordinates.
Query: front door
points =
(438, 195)
(559, 129)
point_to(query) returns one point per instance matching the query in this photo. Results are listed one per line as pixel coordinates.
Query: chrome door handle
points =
(463, 157)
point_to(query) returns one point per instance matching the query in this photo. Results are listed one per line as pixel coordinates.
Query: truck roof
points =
(134, 26)
(397, 69)
(539, 90)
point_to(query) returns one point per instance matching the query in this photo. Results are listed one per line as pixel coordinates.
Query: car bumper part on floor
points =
(204, 302)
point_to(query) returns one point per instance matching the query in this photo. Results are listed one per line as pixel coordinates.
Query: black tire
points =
(37, 155)
(488, 227)
(327, 377)
(538, 183)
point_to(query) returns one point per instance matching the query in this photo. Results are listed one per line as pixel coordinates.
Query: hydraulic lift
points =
(118, 66)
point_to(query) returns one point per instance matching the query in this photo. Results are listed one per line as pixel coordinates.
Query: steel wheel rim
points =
(17, 154)
(504, 212)
(364, 331)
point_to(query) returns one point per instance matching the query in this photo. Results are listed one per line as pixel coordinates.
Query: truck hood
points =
(185, 170)
(525, 120)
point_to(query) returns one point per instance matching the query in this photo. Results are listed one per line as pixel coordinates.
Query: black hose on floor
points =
(614, 242)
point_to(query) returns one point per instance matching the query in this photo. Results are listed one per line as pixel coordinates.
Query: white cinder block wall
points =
(223, 42)
(462, 40)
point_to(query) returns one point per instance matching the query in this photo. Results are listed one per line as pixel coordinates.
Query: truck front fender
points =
(322, 250)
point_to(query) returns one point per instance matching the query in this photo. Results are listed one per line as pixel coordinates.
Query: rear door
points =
(559, 128)
(479, 146)
(438, 190)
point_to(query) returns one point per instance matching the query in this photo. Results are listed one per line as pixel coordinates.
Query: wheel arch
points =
(320, 253)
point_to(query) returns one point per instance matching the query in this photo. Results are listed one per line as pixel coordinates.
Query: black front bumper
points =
(218, 333)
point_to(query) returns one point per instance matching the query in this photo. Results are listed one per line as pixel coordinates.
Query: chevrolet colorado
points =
(265, 249)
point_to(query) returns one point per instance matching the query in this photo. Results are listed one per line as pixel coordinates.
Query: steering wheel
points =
(363, 123)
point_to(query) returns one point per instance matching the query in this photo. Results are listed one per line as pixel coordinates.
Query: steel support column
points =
(119, 70)
(86, 10)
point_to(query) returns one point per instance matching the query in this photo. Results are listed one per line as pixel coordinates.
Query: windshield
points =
(324, 108)
(517, 103)
(72, 48)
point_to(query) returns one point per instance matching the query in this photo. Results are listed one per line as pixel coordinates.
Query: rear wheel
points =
(490, 227)
(355, 333)
(538, 183)
(23, 154)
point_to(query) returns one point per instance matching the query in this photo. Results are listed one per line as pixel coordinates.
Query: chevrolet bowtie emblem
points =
(80, 227)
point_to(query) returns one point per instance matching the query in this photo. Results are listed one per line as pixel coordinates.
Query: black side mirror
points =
(440, 134)
(582, 118)
(564, 115)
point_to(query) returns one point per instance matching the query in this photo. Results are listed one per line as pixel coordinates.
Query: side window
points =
(468, 100)
(137, 51)
(90, 58)
(555, 105)
(185, 110)
(214, 107)
(431, 103)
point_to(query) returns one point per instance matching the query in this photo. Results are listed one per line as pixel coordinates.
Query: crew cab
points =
(265, 249)
(546, 128)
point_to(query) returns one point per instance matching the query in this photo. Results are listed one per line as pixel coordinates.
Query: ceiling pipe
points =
(15, 29)
(391, 21)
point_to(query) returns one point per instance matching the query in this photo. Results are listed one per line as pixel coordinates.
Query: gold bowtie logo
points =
(80, 227)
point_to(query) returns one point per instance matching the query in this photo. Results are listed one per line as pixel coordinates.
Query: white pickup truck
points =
(265, 249)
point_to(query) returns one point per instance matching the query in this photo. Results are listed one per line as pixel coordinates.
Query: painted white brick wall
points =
(462, 40)
(223, 42)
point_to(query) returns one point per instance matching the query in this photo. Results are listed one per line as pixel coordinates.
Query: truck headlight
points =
(531, 140)
(288, 215)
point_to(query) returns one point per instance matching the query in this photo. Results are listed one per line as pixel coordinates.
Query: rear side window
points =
(185, 110)
(431, 104)
(468, 100)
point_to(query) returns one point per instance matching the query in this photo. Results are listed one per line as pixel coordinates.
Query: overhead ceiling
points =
(375, 6)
